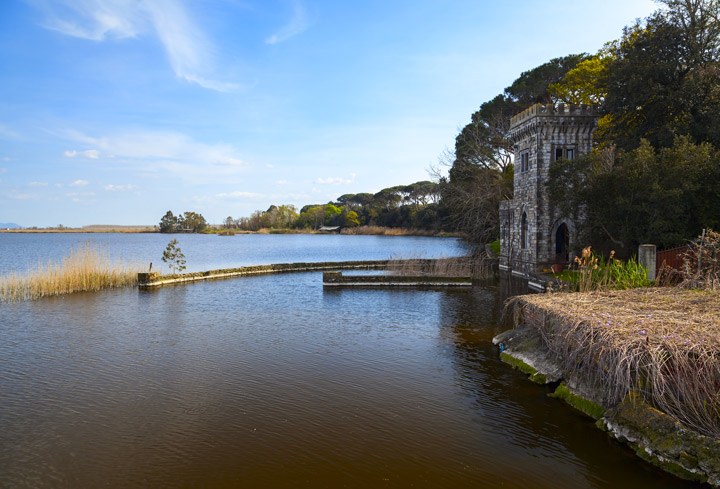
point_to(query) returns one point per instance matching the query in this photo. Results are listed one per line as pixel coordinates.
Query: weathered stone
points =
(541, 134)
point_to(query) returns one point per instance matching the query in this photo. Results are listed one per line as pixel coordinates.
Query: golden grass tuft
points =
(661, 342)
(85, 268)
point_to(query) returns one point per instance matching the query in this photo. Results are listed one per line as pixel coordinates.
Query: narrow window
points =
(524, 162)
(570, 154)
(558, 154)
(524, 231)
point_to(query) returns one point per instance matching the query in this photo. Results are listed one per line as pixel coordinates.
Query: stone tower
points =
(533, 236)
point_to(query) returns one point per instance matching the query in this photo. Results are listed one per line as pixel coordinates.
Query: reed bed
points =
(663, 343)
(385, 231)
(477, 266)
(85, 268)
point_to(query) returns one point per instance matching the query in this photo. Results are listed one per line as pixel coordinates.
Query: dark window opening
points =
(524, 232)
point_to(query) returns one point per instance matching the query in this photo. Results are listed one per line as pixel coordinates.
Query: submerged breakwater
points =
(154, 279)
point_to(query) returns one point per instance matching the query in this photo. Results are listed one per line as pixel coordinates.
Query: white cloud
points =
(168, 154)
(298, 23)
(38, 184)
(79, 183)
(336, 180)
(188, 51)
(92, 154)
(120, 188)
(236, 195)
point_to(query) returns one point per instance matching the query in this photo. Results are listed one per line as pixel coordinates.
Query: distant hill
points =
(9, 225)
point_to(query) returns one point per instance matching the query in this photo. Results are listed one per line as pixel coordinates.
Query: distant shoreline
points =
(362, 230)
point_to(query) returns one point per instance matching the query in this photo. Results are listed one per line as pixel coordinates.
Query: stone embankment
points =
(337, 279)
(154, 279)
(629, 415)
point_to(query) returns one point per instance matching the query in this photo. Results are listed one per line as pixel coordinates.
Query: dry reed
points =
(701, 263)
(663, 343)
(385, 231)
(85, 268)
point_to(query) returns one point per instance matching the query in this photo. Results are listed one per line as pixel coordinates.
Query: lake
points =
(273, 381)
(23, 251)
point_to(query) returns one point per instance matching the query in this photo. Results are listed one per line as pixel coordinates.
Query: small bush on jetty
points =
(85, 268)
(662, 343)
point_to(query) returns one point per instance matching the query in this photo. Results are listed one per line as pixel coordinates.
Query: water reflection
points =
(271, 381)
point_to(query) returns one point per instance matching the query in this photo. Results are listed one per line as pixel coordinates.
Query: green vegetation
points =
(174, 256)
(404, 207)
(596, 273)
(86, 268)
(189, 222)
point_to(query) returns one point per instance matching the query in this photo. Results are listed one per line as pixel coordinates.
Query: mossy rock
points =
(518, 364)
(588, 407)
(675, 469)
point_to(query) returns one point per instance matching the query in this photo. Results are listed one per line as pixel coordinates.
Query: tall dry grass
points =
(385, 231)
(662, 343)
(85, 268)
(701, 263)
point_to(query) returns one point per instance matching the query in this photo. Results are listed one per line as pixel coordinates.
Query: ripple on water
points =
(273, 382)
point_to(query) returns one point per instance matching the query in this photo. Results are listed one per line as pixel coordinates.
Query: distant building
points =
(533, 236)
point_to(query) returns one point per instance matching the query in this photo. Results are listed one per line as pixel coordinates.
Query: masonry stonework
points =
(533, 235)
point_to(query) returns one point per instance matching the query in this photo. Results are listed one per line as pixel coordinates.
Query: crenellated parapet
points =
(553, 119)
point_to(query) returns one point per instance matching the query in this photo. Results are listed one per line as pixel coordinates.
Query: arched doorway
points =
(562, 243)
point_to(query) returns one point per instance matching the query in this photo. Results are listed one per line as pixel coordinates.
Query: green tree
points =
(663, 78)
(659, 196)
(192, 221)
(168, 223)
(174, 257)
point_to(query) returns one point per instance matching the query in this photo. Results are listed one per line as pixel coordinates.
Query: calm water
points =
(20, 252)
(271, 381)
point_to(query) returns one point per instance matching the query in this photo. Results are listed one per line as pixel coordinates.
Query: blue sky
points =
(115, 111)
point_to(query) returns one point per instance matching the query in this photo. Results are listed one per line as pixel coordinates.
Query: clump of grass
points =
(662, 343)
(596, 273)
(85, 268)
(477, 265)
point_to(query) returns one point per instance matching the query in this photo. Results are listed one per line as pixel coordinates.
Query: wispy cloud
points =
(336, 180)
(188, 51)
(164, 152)
(298, 23)
(236, 195)
(120, 188)
(92, 154)
(79, 183)
(8, 133)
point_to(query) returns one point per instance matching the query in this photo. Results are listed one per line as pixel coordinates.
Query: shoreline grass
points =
(662, 343)
(85, 268)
